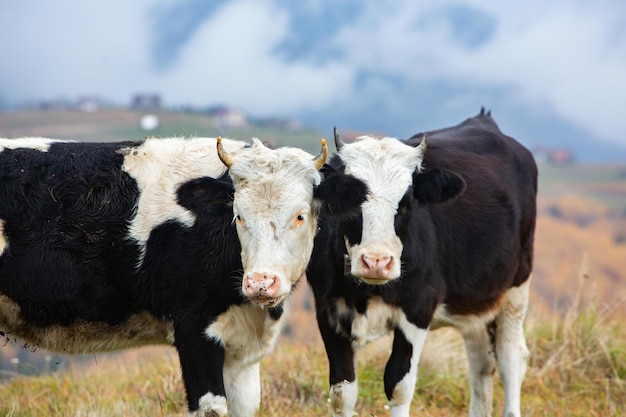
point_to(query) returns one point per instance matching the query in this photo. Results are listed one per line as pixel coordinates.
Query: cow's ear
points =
(340, 195)
(207, 195)
(436, 185)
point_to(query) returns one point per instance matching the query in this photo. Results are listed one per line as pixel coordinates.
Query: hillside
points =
(120, 124)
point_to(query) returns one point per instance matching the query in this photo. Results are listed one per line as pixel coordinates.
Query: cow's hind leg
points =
(479, 345)
(511, 346)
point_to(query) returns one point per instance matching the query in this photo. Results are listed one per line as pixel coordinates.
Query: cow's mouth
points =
(265, 301)
(374, 280)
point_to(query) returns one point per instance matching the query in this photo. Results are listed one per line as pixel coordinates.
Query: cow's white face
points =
(273, 209)
(386, 166)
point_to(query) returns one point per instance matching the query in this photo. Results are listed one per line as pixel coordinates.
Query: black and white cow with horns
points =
(105, 246)
(445, 238)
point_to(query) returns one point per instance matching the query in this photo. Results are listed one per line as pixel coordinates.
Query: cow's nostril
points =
(376, 265)
(366, 262)
(376, 262)
(259, 284)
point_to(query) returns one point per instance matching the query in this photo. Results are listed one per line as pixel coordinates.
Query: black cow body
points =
(464, 225)
(108, 246)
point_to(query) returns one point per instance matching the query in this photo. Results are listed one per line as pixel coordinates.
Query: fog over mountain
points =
(553, 73)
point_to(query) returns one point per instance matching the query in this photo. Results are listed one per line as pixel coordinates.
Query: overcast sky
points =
(565, 59)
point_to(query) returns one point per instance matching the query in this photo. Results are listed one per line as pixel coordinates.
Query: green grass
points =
(119, 124)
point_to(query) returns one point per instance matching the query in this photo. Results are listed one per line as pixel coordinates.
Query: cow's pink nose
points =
(260, 285)
(377, 266)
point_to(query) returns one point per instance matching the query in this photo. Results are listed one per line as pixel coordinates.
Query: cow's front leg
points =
(243, 389)
(341, 359)
(401, 369)
(202, 363)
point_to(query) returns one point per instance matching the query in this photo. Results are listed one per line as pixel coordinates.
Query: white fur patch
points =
(378, 320)
(386, 165)
(464, 323)
(243, 389)
(211, 406)
(40, 144)
(160, 165)
(247, 333)
(511, 346)
(343, 398)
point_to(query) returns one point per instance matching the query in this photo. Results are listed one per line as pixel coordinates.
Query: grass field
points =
(577, 368)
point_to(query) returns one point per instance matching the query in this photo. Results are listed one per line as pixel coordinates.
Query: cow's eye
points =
(239, 220)
(299, 220)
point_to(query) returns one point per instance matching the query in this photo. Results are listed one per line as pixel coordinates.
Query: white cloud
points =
(67, 48)
(565, 56)
(231, 60)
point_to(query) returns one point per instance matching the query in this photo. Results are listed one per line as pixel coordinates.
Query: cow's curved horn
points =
(320, 159)
(421, 148)
(224, 157)
(338, 141)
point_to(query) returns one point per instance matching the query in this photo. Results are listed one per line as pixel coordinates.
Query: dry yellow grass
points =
(578, 368)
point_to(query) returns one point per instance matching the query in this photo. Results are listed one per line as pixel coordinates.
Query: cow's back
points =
(489, 228)
(64, 213)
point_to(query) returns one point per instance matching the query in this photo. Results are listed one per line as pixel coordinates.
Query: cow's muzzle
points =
(375, 267)
(262, 288)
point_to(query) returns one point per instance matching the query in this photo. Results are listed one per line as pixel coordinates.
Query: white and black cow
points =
(445, 238)
(105, 246)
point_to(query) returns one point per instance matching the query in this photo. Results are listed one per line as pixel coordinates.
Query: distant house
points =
(228, 117)
(278, 123)
(88, 104)
(561, 156)
(553, 156)
(145, 101)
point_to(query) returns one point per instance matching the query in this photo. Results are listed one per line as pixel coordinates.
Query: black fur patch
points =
(207, 196)
(340, 194)
(436, 186)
